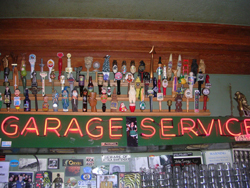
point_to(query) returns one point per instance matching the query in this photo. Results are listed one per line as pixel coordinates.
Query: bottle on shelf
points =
(90, 85)
(26, 101)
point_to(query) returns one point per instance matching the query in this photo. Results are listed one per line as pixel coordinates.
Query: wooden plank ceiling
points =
(224, 48)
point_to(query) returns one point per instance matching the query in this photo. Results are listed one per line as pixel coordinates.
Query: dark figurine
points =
(74, 100)
(34, 89)
(243, 107)
(7, 98)
(65, 99)
(85, 100)
(178, 104)
(194, 68)
(78, 70)
(6, 70)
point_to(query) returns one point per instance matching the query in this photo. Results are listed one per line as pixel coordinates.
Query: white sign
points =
(6, 143)
(116, 158)
(241, 138)
(4, 171)
(218, 156)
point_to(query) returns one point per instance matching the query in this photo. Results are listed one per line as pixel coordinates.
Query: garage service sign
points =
(115, 158)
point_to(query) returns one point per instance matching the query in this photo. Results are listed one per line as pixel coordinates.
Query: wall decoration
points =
(4, 166)
(104, 181)
(72, 171)
(186, 160)
(43, 179)
(53, 163)
(114, 168)
(27, 164)
(20, 177)
(58, 179)
(132, 135)
(129, 179)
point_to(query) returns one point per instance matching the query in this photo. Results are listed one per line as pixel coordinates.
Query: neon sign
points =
(148, 127)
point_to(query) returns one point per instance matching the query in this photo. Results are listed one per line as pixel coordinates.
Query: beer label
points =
(132, 69)
(124, 69)
(109, 91)
(90, 89)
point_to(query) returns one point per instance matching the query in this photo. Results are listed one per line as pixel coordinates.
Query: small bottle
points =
(90, 85)
(85, 100)
(109, 89)
(26, 101)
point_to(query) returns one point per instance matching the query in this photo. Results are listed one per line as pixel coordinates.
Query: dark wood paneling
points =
(224, 48)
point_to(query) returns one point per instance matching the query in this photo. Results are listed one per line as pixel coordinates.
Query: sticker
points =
(86, 176)
(14, 163)
(6, 143)
(90, 161)
(116, 158)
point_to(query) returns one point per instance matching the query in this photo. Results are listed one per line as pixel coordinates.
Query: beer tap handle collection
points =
(143, 84)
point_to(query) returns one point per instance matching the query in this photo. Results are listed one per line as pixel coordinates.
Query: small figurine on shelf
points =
(122, 107)
(41, 65)
(141, 97)
(62, 81)
(150, 95)
(55, 101)
(45, 103)
(85, 100)
(68, 69)
(17, 101)
(1, 101)
(100, 82)
(114, 102)
(78, 71)
(178, 104)
(104, 98)
(71, 81)
(92, 101)
(202, 66)
(141, 69)
(191, 83)
(74, 100)
(160, 98)
(155, 89)
(26, 102)
(15, 76)
(7, 98)
(137, 86)
(34, 89)
(179, 65)
(65, 99)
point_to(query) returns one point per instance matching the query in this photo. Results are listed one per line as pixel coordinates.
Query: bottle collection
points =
(139, 85)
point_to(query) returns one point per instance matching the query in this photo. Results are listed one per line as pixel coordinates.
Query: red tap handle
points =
(164, 91)
(159, 85)
(60, 68)
(205, 103)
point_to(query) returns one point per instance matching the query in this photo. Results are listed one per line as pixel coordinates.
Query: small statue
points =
(65, 99)
(52, 77)
(88, 63)
(132, 98)
(7, 98)
(122, 107)
(55, 101)
(243, 107)
(178, 104)
(104, 98)
(74, 100)
(85, 100)
(93, 101)
(45, 103)
(23, 72)
(26, 101)
(6, 70)
(106, 68)
(17, 101)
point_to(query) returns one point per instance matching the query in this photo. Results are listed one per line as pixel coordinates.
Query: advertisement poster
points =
(129, 179)
(43, 179)
(114, 168)
(131, 129)
(72, 171)
(104, 181)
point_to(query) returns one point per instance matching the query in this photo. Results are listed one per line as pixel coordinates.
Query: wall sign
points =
(88, 131)
(116, 158)
(72, 162)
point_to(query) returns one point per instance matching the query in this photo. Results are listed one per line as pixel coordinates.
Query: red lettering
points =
(52, 129)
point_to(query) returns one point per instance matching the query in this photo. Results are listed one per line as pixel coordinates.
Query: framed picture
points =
(53, 163)
(129, 179)
(17, 178)
(186, 160)
(103, 181)
(131, 128)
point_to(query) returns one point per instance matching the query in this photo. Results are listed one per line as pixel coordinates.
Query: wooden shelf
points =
(99, 112)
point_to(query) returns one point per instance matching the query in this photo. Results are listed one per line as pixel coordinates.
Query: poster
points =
(218, 156)
(4, 172)
(186, 160)
(19, 178)
(131, 129)
(53, 163)
(129, 179)
(72, 171)
(58, 179)
(43, 179)
(138, 164)
(104, 181)
(27, 164)
(114, 168)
